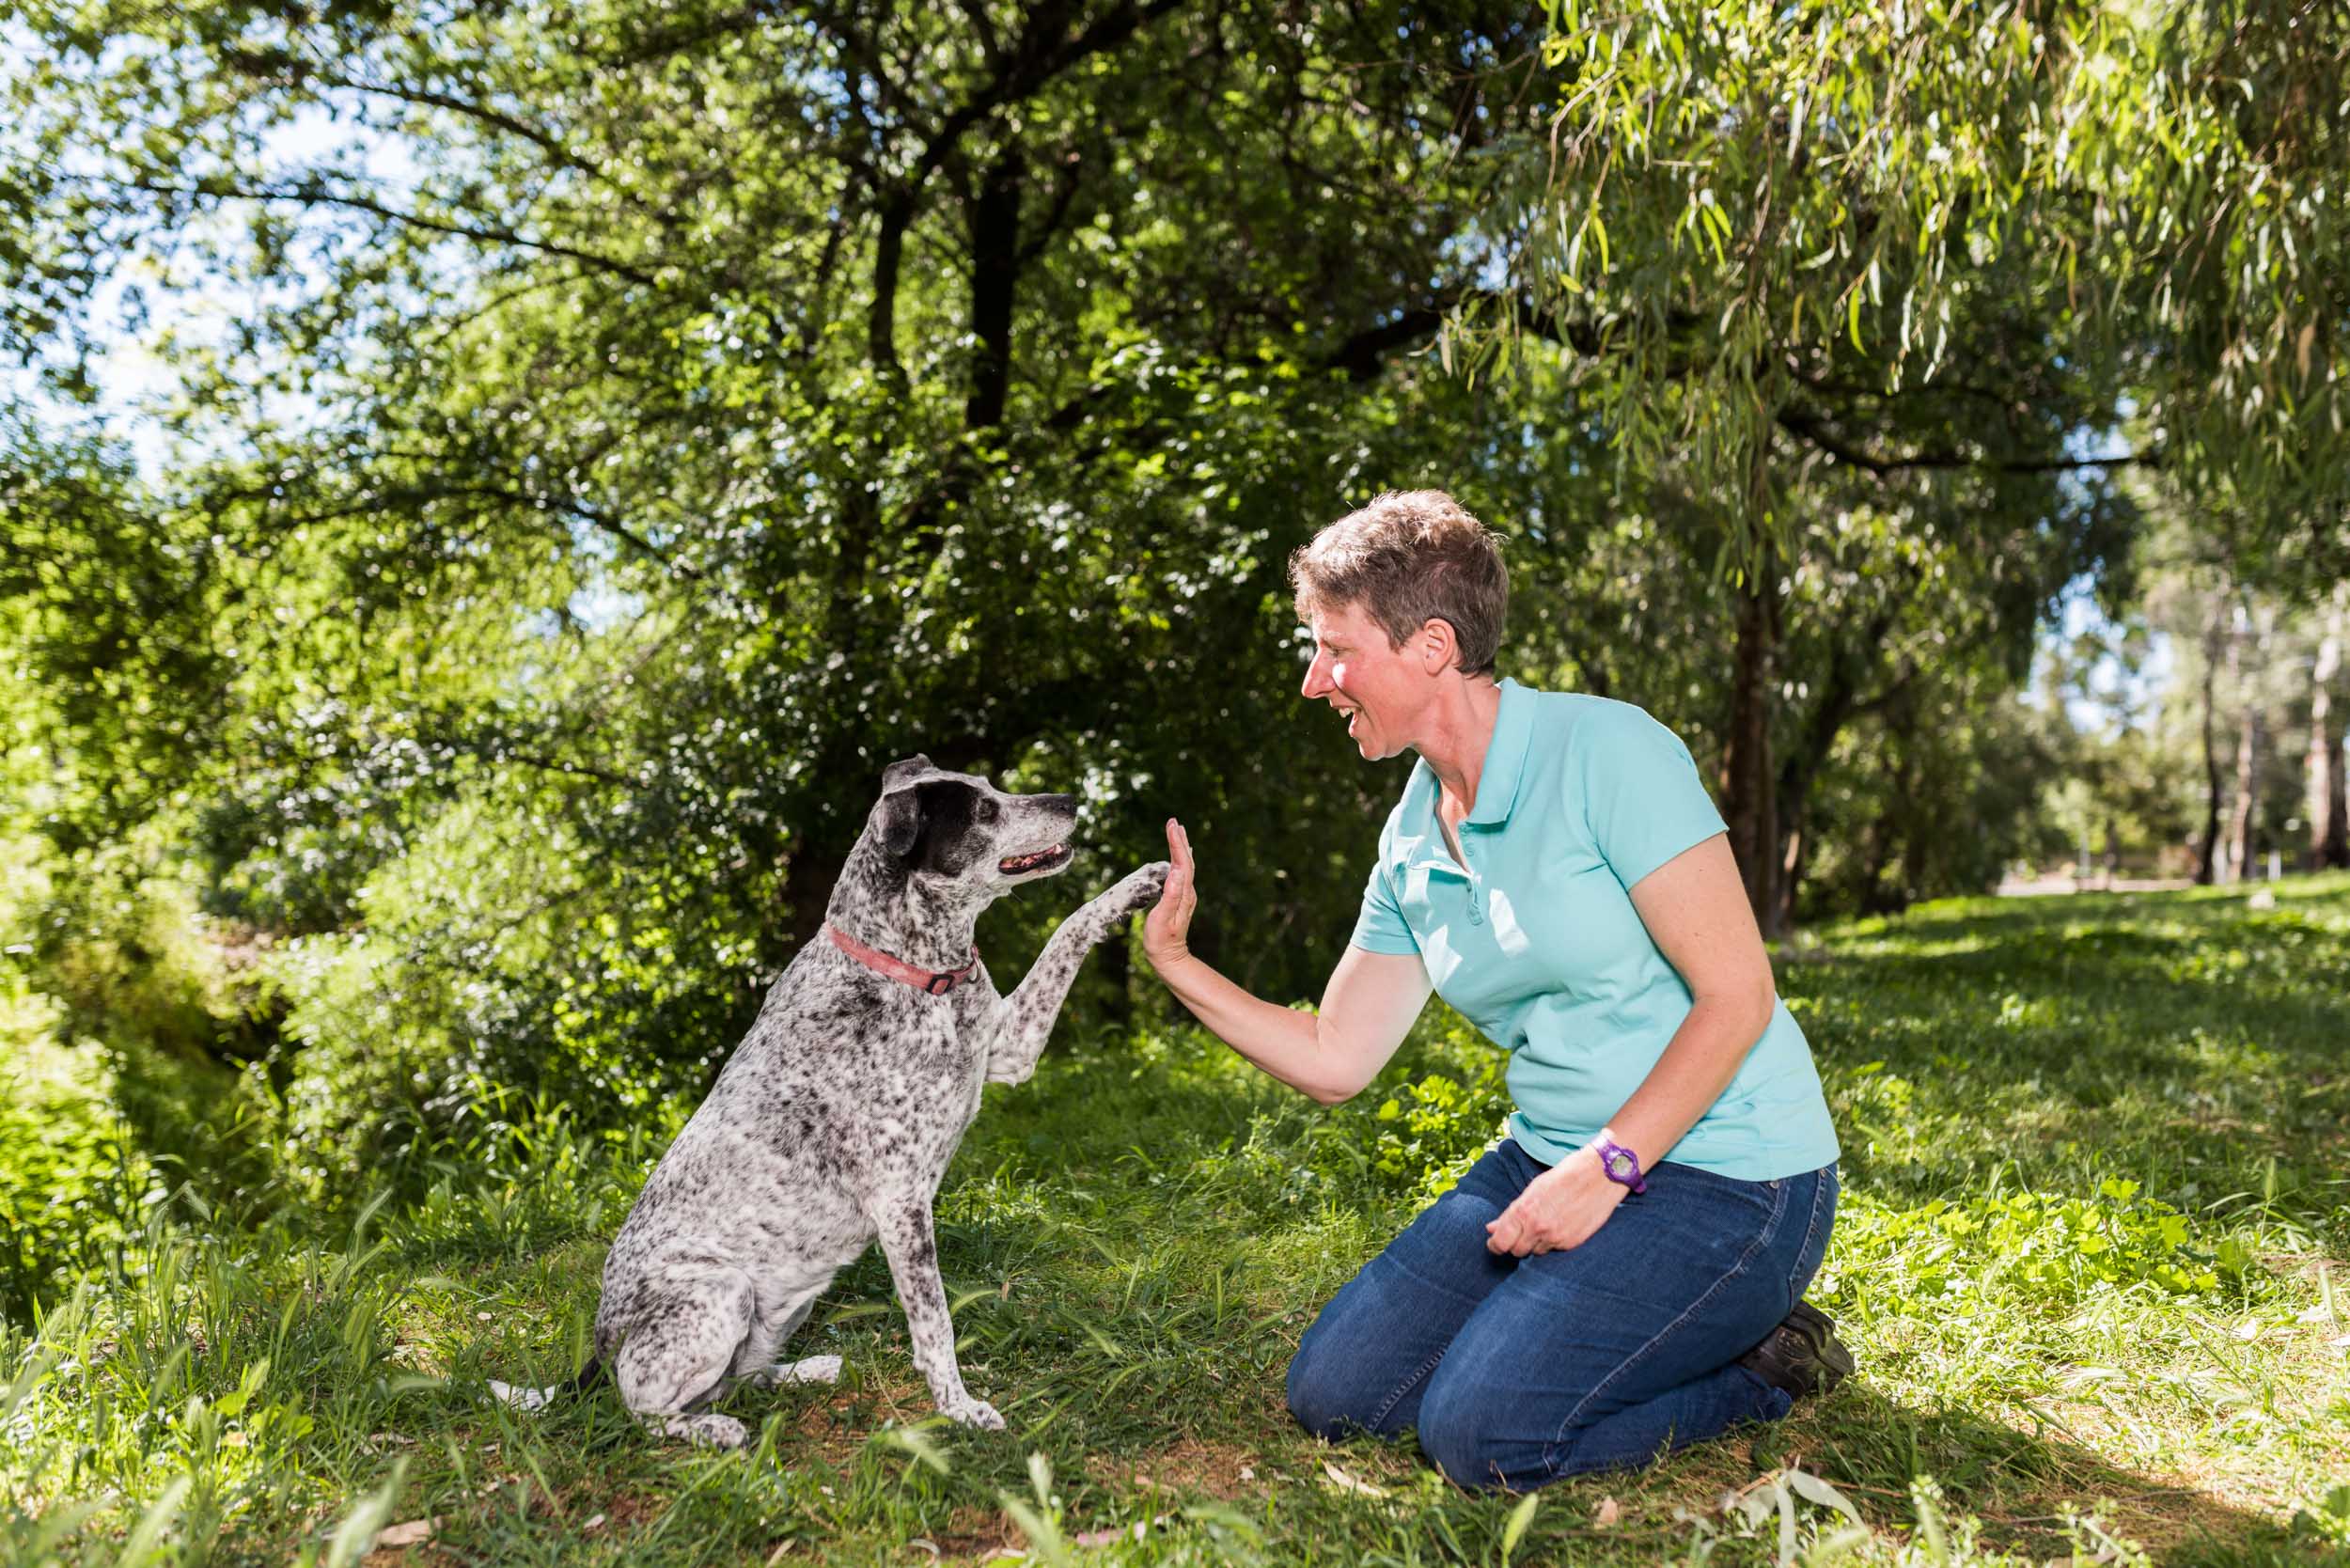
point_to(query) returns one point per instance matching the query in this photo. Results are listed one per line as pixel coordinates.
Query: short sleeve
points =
(1642, 797)
(1380, 927)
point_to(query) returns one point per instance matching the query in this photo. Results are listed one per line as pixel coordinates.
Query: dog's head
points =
(953, 828)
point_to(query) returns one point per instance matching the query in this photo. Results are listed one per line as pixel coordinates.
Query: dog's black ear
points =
(901, 774)
(901, 804)
(902, 821)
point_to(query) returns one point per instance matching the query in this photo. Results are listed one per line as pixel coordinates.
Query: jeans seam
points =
(1812, 1232)
(1419, 1376)
(1762, 1239)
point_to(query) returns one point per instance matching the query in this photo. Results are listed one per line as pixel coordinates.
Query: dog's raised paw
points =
(1140, 890)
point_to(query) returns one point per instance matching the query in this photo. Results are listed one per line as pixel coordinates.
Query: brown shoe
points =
(1802, 1354)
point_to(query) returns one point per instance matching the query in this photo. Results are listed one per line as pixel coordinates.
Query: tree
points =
(690, 414)
(2329, 819)
(1774, 240)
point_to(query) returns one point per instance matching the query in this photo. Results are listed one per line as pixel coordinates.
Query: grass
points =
(2096, 1205)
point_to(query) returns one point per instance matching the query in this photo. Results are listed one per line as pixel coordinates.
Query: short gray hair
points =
(1409, 557)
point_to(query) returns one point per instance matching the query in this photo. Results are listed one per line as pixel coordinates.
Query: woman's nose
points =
(1317, 678)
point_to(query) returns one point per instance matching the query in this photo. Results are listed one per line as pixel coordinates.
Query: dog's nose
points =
(1059, 803)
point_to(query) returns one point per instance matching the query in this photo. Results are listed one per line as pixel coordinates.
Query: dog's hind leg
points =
(756, 1364)
(908, 1241)
(679, 1353)
(807, 1369)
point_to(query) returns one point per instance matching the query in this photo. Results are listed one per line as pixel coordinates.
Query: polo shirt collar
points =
(1504, 766)
(1505, 756)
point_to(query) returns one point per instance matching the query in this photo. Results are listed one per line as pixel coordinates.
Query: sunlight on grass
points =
(2091, 1257)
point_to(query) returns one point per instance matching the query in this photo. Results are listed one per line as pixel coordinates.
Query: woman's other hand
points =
(1167, 928)
(1563, 1207)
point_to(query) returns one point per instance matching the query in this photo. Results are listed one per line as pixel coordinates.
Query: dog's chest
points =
(906, 1085)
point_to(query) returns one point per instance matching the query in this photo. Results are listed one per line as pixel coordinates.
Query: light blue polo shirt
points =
(1533, 938)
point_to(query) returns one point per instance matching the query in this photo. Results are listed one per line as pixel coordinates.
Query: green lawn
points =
(2095, 1166)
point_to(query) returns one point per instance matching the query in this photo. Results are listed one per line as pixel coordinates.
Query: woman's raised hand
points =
(1167, 928)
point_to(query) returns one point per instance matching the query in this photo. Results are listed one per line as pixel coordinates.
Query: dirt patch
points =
(973, 1533)
(1220, 1471)
(837, 1427)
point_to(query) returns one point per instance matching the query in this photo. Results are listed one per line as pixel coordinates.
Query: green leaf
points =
(1514, 1532)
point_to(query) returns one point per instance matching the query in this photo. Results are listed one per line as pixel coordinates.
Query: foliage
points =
(1774, 236)
(1432, 1142)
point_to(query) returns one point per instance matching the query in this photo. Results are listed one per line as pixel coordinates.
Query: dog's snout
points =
(1058, 803)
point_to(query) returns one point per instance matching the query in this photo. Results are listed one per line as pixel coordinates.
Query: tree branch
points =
(314, 196)
(1810, 427)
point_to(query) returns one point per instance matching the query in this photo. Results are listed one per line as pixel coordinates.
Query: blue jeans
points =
(1516, 1372)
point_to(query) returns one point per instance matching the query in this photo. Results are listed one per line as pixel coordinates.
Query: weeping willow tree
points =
(1931, 243)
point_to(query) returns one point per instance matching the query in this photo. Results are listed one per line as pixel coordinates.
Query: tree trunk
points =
(1882, 891)
(1749, 784)
(1854, 660)
(2243, 821)
(2207, 844)
(2329, 825)
(2251, 739)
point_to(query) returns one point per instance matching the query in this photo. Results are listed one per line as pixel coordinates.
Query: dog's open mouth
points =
(1015, 865)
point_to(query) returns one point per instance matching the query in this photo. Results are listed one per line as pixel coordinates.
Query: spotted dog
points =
(832, 1123)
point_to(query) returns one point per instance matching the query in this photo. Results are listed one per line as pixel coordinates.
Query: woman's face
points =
(1379, 688)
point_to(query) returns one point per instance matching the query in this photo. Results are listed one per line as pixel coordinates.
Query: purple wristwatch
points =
(1620, 1165)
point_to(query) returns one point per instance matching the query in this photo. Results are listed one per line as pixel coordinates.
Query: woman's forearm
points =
(1704, 1054)
(1284, 1042)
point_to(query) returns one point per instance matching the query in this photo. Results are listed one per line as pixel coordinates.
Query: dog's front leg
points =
(910, 1243)
(1024, 1020)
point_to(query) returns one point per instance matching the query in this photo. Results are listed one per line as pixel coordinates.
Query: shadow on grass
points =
(2019, 1482)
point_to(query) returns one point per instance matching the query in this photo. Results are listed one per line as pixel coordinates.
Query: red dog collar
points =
(937, 984)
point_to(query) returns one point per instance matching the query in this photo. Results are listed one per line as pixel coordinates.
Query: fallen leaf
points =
(1136, 1531)
(415, 1532)
(1609, 1512)
(1346, 1482)
(596, 1523)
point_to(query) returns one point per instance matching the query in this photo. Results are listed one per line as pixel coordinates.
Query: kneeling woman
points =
(1624, 1274)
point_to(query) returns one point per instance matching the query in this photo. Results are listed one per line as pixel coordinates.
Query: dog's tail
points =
(538, 1399)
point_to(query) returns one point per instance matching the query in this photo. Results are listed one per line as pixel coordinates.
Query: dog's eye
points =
(987, 810)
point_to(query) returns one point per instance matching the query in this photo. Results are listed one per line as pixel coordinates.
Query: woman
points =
(1623, 1273)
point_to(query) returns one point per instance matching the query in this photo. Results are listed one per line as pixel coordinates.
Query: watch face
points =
(1619, 1163)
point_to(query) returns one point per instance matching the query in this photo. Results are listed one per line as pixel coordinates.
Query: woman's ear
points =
(1438, 647)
